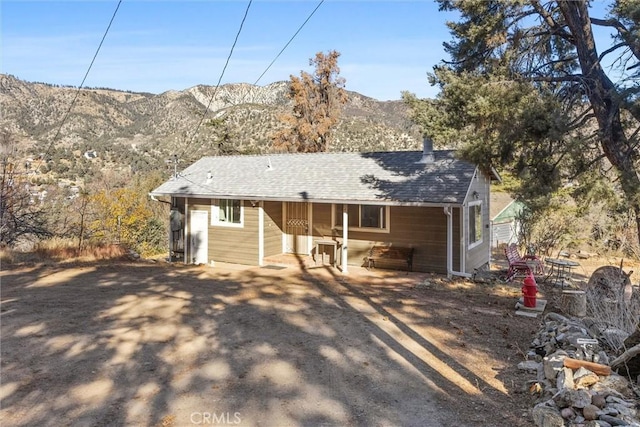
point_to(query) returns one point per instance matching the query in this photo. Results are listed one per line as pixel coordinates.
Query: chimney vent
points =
(427, 151)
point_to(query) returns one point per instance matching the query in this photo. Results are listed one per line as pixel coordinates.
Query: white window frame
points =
(335, 215)
(471, 217)
(215, 214)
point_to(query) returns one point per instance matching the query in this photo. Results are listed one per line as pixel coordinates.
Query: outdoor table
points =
(562, 268)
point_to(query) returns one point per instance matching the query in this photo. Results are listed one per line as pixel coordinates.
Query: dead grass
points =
(62, 250)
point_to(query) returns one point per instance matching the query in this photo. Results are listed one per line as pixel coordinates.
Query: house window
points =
(227, 213)
(475, 224)
(363, 217)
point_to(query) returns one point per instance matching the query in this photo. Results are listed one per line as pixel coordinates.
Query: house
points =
(243, 209)
(504, 213)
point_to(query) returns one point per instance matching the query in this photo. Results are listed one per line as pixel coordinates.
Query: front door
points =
(199, 237)
(297, 226)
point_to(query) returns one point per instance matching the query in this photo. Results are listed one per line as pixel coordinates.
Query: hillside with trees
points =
(78, 163)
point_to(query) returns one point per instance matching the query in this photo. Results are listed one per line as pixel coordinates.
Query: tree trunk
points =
(574, 303)
(605, 102)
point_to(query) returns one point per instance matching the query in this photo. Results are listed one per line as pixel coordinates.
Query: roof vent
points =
(209, 177)
(427, 151)
(269, 167)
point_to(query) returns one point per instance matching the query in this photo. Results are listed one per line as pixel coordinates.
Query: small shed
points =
(504, 219)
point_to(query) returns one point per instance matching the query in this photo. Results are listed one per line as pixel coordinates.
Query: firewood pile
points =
(578, 381)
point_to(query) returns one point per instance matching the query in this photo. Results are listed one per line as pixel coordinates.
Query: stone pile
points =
(574, 383)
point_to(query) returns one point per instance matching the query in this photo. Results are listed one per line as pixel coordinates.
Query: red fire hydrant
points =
(529, 290)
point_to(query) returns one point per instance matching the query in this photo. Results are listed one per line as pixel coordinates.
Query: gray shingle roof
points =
(379, 177)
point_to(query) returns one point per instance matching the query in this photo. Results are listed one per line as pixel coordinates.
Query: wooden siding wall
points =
(231, 244)
(321, 218)
(424, 229)
(272, 228)
(481, 254)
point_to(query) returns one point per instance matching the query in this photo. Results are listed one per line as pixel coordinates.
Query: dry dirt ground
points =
(153, 344)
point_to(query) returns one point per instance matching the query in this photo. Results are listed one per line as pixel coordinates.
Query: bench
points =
(391, 253)
(521, 264)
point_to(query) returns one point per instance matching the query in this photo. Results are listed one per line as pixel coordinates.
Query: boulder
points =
(547, 416)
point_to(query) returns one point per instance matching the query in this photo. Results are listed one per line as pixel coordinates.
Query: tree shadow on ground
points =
(155, 344)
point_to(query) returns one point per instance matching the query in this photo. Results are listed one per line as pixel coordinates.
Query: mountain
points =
(142, 130)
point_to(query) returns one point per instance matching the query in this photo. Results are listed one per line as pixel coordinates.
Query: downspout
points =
(450, 271)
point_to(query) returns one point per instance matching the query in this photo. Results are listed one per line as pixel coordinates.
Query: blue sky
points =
(153, 46)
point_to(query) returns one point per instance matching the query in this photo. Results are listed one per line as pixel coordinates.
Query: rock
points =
(540, 373)
(614, 421)
(553, 364)
(565, 379)
(598, 400)
(555, 317)
(590, 412)
(584, 378)
(547, 416)
(577, 398)
(624, 410)
(617, 400)
(616, 383)
(529, 366)
(568, 413)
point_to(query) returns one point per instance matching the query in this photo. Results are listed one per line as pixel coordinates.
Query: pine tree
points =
(526, 88)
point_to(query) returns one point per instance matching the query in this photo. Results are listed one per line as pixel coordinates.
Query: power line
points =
(289, 42)
(75, 98)
(195, 132)
(263, 73)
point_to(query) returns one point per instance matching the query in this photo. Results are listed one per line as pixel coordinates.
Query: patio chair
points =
(521, 265)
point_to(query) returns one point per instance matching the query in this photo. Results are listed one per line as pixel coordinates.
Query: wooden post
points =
(345, 238)
(574, 303)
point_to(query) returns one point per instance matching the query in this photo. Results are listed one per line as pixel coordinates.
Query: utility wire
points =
(289, 42)
(266, 69)
(195, 132)
(75, 98)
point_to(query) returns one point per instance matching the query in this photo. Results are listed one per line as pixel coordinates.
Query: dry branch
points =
(626, 356)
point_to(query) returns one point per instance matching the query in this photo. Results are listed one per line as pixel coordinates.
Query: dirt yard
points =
(152, 344)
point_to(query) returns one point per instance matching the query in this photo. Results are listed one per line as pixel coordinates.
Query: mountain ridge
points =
(139, 129)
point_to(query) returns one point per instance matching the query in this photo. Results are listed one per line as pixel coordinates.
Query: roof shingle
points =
(378, 177)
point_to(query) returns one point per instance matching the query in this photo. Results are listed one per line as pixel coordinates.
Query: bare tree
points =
(21, 214)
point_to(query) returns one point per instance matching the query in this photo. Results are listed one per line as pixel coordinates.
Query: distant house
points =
(504, 219)
(244, 209)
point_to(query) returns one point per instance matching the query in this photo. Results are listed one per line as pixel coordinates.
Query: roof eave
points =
(310, 200)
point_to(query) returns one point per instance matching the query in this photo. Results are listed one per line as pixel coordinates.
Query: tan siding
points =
(321, 218)
(424, 229)
(272, 228)
(231, 244)
(235, 244)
